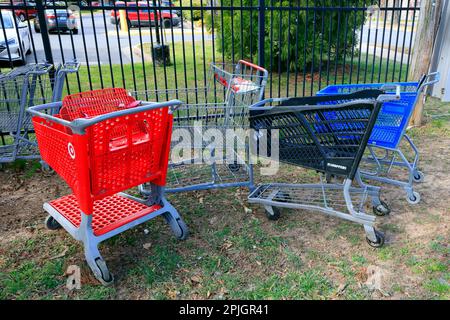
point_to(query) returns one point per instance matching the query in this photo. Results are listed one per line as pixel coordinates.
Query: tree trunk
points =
(422, 53)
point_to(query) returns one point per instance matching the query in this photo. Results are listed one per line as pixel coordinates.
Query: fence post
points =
(44, 32)
(261, 32)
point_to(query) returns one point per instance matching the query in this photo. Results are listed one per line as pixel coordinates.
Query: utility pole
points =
(428, 25)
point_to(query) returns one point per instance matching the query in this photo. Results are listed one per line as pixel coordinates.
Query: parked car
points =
(24, 14)
(17, 43)
(144, 16)
(58, 19)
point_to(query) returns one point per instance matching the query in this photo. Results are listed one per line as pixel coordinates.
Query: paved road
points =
(99, 29)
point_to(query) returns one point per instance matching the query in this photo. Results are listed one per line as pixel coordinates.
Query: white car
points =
(17, 43)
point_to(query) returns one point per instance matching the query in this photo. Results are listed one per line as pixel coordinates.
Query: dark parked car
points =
(58, 19)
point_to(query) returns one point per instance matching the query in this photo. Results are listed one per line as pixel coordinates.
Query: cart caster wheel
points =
(51, 223)
(184, 230)
(234, 167)
(382, 209)
(418, 176)
(380, 240)
(275, 216)
(414, 198)
(106, 277)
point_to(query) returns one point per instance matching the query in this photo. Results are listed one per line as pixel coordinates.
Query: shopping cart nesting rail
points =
(105, 146)
(390, 128)
(327, 134)
(220, 103)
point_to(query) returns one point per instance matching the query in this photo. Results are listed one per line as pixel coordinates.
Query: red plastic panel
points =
(93, 103)
(126, 151)
(57, 149)
(109, 214)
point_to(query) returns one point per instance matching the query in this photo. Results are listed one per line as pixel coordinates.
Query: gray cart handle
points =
(381, 98)
(78, 126)
(429, 80)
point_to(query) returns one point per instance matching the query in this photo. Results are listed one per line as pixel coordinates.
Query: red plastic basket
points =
(113, 155)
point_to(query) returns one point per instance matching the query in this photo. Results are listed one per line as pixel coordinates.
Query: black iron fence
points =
(305, 44)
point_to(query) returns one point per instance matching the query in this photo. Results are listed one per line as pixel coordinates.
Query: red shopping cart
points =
(101, 143)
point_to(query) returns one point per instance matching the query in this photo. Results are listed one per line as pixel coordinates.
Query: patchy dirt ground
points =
(233, 250)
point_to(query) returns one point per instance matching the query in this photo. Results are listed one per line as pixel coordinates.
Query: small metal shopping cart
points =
(19, 89)
(211, 110)
(327, 134)
(101, 143)
(384, 152)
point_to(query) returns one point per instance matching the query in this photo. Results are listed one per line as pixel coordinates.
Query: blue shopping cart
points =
(389, 130)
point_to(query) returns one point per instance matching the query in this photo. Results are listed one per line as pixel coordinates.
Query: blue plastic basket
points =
(393, 117)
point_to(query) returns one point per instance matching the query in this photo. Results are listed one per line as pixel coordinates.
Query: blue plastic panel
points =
(393, 117)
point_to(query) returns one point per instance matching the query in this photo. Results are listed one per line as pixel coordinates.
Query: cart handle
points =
(79, 125)
(254, 66)
(71, 66)
(428, 80)
(381, 98)
(44, 70)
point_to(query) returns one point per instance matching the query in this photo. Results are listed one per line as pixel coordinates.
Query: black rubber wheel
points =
(74, 31)
(167, 23)
(276, 214)
(380, 240)
(418, 176)
(128, 23)
(37, 28)
(107, 277)
(51, 223)
(382, 209)
(184, 230)
(234, 167)
(414, 198)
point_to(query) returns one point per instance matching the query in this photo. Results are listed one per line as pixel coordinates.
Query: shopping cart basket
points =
(309, 138)
(220, 105)
(115, 145)
(384, 149)
(19, 89)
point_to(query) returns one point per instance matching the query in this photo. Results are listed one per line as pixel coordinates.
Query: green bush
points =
(286, 30)
(193, 15)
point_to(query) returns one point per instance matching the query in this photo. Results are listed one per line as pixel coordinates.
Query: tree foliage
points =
(293, 38)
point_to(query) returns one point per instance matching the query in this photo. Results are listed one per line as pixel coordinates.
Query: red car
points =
(25, 14)
(144, 16)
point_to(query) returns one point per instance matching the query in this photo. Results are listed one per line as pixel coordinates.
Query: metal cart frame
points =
(84, 153)
(19, 89)
(310, 139)
(388, 133)
(222, 104)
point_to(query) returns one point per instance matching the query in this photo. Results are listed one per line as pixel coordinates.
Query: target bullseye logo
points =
(71, 150)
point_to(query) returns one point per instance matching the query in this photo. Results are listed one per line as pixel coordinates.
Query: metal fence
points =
(305, 44)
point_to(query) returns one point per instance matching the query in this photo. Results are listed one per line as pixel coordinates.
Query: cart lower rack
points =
(103, 143)
(384, 156)
(310, 138)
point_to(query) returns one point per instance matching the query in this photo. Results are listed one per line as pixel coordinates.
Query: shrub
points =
(289, 35)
